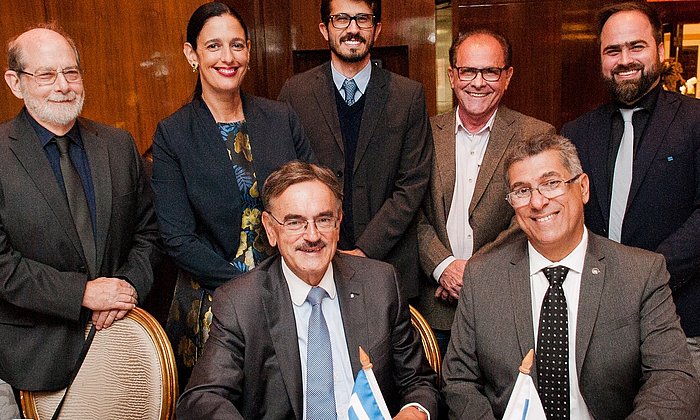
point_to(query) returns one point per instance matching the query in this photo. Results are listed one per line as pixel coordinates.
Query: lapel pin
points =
(595, 270)
(669, 158)
(352, 296)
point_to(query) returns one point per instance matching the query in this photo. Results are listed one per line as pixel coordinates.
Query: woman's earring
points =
(194, 67)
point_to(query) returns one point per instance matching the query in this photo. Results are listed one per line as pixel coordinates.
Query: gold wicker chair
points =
(430, 345)
(128, 373)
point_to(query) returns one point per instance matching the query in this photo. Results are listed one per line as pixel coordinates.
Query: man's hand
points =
(108, 293)
(451, 278)
(104, 319)
(411, 413)
(357, 252)
(441, 293)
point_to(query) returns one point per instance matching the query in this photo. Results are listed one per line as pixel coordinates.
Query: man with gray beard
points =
(642, 153)
(77, 228)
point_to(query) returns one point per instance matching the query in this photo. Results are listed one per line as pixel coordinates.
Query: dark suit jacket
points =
(251, 366)
(42, 267)
(663, 209)
(392, 161)
(197, 198)
(490, 215)
(631, 355)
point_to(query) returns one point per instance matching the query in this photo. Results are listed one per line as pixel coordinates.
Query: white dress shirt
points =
(361, 80)
(343, 379)
(469, 153)
(572, 286)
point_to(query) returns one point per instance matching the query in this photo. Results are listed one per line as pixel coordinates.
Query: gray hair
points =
(533, 146)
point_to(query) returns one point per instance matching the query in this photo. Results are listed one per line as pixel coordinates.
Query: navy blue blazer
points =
(663, 210)
(197, 199)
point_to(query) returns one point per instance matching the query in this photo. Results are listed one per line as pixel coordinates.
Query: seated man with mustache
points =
(285, 336)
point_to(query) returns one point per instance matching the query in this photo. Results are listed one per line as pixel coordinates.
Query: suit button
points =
(339, 174)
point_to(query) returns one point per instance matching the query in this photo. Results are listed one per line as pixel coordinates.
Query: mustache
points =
(627, 67)
(57, 96)
(353, 37)
(308, 246)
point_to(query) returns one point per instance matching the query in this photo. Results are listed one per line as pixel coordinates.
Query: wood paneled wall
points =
(556, 70)
(136, 74)
(555, 52)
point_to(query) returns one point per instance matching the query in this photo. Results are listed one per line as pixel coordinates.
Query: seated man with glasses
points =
(285, 337)
(598, 314)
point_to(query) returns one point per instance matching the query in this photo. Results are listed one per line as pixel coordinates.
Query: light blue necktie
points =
(350, 87)
(320, 398)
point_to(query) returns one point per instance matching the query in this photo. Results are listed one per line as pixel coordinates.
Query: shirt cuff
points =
(442, 267)
(419, 407)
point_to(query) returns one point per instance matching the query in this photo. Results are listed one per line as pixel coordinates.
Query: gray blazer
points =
(251, 366)
(392, 160)
(490, 215)
(631, 356)
(42, 266)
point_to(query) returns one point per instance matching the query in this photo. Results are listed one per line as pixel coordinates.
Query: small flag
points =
(524, 402)
(366, 401)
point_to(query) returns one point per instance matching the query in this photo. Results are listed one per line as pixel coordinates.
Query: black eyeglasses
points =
(490, 74)
(343, 20)
(552, 188)
(297, 226)
(48, 77)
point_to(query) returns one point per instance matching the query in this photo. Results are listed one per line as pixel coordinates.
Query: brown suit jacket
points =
(392, 160)
(251, 366)
(631, 357)
(490, 215)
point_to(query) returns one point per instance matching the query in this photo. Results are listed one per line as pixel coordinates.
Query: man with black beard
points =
(370, 126)
(77, 228)
(642, 153)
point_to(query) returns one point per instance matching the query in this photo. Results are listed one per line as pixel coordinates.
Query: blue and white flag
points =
(524, 402)
(366, 401)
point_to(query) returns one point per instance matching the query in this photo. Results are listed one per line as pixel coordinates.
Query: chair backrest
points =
(8, 406)
(430, 344)
(128, 373)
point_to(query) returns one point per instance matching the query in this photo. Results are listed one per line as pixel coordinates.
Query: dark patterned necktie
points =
(553, 347)
(320, 397)
(77, 202)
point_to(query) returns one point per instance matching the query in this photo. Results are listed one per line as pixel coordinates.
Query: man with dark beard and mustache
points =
(642, 153)
(370, 126)
(77, 228)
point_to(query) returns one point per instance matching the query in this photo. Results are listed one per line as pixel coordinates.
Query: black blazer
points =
(392, 160)
(251, 366)
(197, 199)
(663, 210)
(42, 266)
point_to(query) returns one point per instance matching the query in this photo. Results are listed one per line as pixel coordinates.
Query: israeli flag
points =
(366, 401)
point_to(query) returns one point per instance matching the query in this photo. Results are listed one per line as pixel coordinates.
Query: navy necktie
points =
(553, 347)
(320, 397)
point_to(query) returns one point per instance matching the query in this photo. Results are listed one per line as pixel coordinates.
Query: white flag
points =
(524, 402)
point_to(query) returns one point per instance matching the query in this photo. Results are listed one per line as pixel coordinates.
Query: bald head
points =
(46, 35)
(44, 71)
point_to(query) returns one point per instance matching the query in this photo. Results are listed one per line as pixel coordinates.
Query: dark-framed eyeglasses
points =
(490, 74)
(296, 226)
(343, 20)
(48, 77)
(549, 189)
